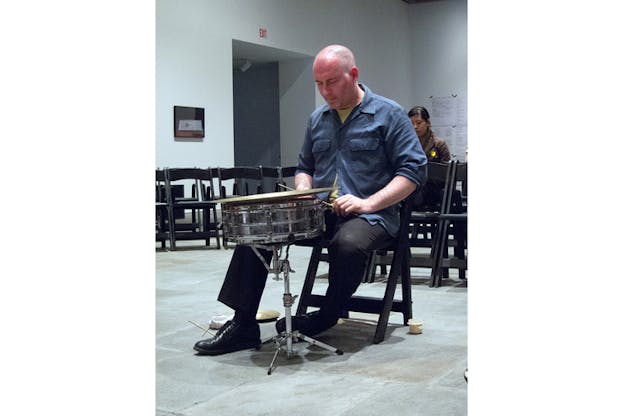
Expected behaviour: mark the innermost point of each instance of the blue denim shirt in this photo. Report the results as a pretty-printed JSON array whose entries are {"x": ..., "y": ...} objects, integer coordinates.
[{"x": 374, "y": 144}]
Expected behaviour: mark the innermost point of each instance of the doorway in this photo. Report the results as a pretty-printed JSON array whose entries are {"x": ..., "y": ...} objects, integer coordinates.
[{"x": 273, "y": 96}]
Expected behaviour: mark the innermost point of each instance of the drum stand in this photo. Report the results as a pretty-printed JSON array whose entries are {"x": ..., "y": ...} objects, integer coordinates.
[{"x": 283, "y": 266}]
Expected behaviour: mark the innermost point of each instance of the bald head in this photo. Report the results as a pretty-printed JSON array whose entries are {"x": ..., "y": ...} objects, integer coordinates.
[
  {"x": 336, "y": 55},
  {"x": 336, "y": 77}
]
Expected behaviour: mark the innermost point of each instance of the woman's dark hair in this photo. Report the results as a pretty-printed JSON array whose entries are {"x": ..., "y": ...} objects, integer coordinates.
[{"x": 420, "y": 112}]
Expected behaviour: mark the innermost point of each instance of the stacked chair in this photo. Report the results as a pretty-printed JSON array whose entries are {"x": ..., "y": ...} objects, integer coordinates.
[
  {"x": 425, "y": 222},
  {"x": 431, "y": 227},
  {"x": 203, "y": 223},
  {"x": 424, "y": 225},
  {"x": 242, "y": 180},
  {"x": 454, "y": 223},
  {"x": 441, "y": 229},
  {"x": 162, "y": 216}
]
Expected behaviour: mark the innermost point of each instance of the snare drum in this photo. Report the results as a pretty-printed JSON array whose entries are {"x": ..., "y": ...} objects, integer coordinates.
[{"x": 278, "y": 222}]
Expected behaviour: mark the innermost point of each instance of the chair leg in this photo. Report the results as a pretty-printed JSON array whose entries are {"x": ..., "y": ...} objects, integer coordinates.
[
  {"x": 204, "y": 224},
  {"x": 172, "y": 236},
  {"x": 369, "y": 273},
  {"x": 306, "y": 291},
  {"x": 442, "y": 243},
  {"x": 459, "y": 249},
  {"x": 388, "y": 298},
  {"x": 214, "y": 211},
  {"x": 406, "y": 286},
  {"x": 384, "y": 316},
  {"x": 437, "y": 247}
]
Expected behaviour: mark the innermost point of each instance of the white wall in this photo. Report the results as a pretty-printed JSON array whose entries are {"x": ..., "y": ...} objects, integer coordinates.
[
  {"x": 194, "y": 60},
  {"x": 296, "y": 103},
  {"x": 438, "y": 39}
]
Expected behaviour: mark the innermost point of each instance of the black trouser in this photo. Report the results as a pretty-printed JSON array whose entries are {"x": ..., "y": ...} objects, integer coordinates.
[{"x": 352, "y": 241}]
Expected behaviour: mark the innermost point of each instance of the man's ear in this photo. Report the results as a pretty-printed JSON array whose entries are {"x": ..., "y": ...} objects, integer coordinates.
[{"x": 355, "y": 72}]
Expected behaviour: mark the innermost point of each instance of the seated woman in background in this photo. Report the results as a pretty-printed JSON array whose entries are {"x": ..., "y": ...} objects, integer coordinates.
[{"x": 436, "y": 149}]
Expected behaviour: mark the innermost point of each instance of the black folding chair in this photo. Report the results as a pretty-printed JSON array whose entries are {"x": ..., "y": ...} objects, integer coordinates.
[
  {"x": 162, "y": 216},
  {"x": 424, "y": 224},
  {"x": 455, "y": 225},
  {"x": 382, "y": 306},
  {"x": 238, "y": 179},
  {"x": 203, "y": 219}
]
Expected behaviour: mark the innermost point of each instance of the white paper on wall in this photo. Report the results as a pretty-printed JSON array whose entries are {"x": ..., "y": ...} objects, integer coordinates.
[
  {"x": 443, "y": 111},
  {"x": 449, "y": 121}
]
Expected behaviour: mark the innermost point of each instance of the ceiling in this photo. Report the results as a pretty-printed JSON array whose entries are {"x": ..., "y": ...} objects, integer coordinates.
[{"x": 419, "y": 1}]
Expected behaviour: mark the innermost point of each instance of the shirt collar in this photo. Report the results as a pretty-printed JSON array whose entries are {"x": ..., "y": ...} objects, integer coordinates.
[{"x": 366, "y": 106}]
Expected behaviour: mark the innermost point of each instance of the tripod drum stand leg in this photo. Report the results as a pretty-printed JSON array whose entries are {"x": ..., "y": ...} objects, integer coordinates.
[{"x": 282, "y": 266}]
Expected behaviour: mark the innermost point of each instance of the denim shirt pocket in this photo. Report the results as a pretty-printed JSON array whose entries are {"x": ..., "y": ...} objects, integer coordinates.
[
  {"x": 360, "y": 144},
  {"x": 323, "y": 160},
  {"x": 366, "y": 155},
  {"x": 320, "y": 146}
]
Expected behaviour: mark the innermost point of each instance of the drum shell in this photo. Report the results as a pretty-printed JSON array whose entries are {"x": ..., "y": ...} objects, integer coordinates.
[{"x": 277, "y": 222}]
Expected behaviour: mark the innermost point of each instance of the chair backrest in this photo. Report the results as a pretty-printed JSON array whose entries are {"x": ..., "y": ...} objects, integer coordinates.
[
  {"x": 461, "y": 178},
  {"x": 435, "y": 195},
  {"x": 460, "y": 188},
  {"x": 198, "y": 178},
  {"x": 448, "y": 187},
  {"x": 241, "y": 177},
  {"x": 278, "y": 178},
  {"x": 271, "y": 178},
  {"x": 404, "y": 223},
  {"x": 288, "y": 175},
  {"x": 160, "y": 186},
  {"x": 437, "y": 172}
]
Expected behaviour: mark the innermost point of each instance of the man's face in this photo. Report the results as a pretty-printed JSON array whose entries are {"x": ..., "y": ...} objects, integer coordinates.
[{"x": 335, "y": 85}]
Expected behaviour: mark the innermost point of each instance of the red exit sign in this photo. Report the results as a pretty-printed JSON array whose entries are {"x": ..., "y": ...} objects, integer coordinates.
[{"x": 262, "y": 32}]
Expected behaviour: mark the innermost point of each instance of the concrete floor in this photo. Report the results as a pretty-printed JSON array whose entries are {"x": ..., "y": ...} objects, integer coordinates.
[{"x": 404, "y": 375}]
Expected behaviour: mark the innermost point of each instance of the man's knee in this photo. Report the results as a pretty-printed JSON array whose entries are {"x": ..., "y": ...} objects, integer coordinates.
[{"x": 348, "y": 246}]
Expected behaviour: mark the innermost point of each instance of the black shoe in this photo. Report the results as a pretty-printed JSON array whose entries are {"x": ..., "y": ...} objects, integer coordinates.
[
  {"x": 232, "y": 336},
  {"x": 310, "y": 324}
]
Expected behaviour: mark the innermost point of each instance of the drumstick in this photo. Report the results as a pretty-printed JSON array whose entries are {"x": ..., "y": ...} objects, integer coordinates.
[
  {"x": 200, "y": 327},
  {"x": 291, "y": 189}
]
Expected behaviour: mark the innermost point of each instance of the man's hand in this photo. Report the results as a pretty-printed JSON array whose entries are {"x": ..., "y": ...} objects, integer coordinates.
[{"x": 348, "y": 204}]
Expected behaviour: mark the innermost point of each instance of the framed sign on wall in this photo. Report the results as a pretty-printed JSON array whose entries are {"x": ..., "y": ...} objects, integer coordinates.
[{"x": 188, "y": 121}]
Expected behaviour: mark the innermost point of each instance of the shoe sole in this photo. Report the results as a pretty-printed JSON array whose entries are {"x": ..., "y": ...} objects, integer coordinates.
[{"x": 228, "y": 350}]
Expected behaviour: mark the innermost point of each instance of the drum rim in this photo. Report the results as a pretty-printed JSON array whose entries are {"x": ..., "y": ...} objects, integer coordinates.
[{"x": 263, "y": 205}]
